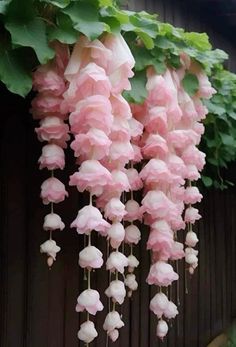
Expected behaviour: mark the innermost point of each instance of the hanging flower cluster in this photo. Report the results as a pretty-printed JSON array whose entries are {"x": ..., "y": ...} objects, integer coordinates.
[
  {"x": 97, "y": 73},
  {"x": 171, "y": 120},
  {"x": 47, "y": 106}
]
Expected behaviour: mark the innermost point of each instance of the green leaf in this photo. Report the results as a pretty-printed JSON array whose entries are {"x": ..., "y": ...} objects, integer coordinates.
[
  {"x": 199, "y": 40},
  {"x": 147, "y": 40},
  {"x": 85, "y": 19},
  {"x": 4, "y": 5},
  {"x": 138, "y": 92},
  {"x": 227, "y": 140},
  {"x": 174, "y": 61},
  {"x": 64, "y": 32},
  {"x": 14, "y": 74},
  {"x": 207, "y": 181},
  {"x": 143, "y": 57},
  {"x": 214, "y": 108},
  {"x": 58, "y": 3},
  {"x": 190, "y": 84},
  {"x": 145, "y": 24},
  {"x": 31, "y": 34},
  {"x": 103, "y": 3}
]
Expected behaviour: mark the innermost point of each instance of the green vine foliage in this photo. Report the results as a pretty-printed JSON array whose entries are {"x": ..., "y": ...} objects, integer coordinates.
[{"x": 28, "y": 27}]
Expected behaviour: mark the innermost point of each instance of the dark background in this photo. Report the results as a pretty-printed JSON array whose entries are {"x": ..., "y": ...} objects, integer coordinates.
[{"x": 37, "y": 305}]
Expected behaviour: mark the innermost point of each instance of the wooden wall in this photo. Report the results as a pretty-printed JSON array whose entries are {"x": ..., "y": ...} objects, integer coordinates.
[{"x": 37, "y": 305}]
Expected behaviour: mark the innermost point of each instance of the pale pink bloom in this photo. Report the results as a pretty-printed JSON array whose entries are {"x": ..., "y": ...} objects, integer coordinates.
[
  {"x": 156, "y": 120},
  {"x": 89, "y": 300},
  {"x": 155, "y": 145},
  {"x": 176, "y": 165},
  {"x": 114, "y": 335},
  {"x": 191, "y": 256},
  {"x": 205, "y": 90},
  {"x": 93, "y": 145},
  {"x": 91, "y": 258},
  {"x": 46, "y": 79},
  {"x": 171, "y": 310},
  {"x": 159, "y": 304},
  {"x": 92, "y": 112},
  {"x": 115, "y": 210},
  {"x": 119, "y": 182},
  {"x": 46, "y": 104},
  {"x": 130, "y": 282},
  {"x": 134, "y": 179},
  {"x": 162, "y": 274},
  {"x": 187, "y": 105},
  {"x": 91, "y": 80},
  {"x": 53, "y": 129},
  {"x": 181, "y": 139},
  {"x": 121, "y": 64},
  {"x": 106, "y": 196},
  {"x": 192, "y": 156},
  {"x": 87, "y": 332},
  {"x": 90, "y": 218},
  {"x": 201, "y": 109},
  {"x": 113, "y": 321},
  {"x": 117, "y": 261},
  {"x": 157, "y": 204},
  {"x": 52, "y": 221},
  {"x": 53, "y": 190},
  {"x": 121, "y": 151},
  {"x": 120, "y": 130},
  {"x": 174, "y": 111},
  {"x": 120, "y": 107},
  {"x": 137, "y": 155},
  {"x": 177, "y": 251},
  {"x": 133, "y": 262},
  {"x": 132, "y": 234},
  {"x": 62, "y": 56},
  {"x": 162, "y": 329},
  {"x": 191, "y": 215},
  {"x": 116, "y": 234},
  {"x": 116, "y": 291},
  {"x": 199, "y": 128},
  {"x": 92, "y": 176},
  {"x": 50, "y": 248},
  {"x": 136, "y": 128},
  {"x": 192, "y": 195},
  {"x": 52, "y": 157},
  {"x": 161, "y": 241},
  {"x": 156, "y": 171},
  {"x": 134, "y": 212},
  {"x": 158, "y": 91},
  {"x": 192, "y": 173},
  {"x": 191, "y": 239}
]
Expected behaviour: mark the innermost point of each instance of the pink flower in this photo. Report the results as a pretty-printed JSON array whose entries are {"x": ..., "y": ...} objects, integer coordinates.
[
  {"x": 205, "y": 90},
  {"x": 136, "y": 128},
  {"x": 156, "y": 171},
  {"x": 62, "y": 55},
  {"x": 121, "y": 64},
  {"x": 192, "y": 156},
  {"x": 50, "y": 248},
  {"x": 162, "y": 274},
  {"x": 176, "y": 165},
  {"x": 181, "y": 139},
  {"x": 92, "y": 112},
  {"x": 133, "y": 262},
  {"x": 120, "y": 130},
  {"x": 114, "y": 335},
  {"x": 155, "y": 145},
  {"x": 121, "y": 151},
  {"x": 192, "y": 173},
  {"x": 91, "y": 80},
  {"x": 191, "y": 215},
  {"x": 177, "y": 251},
  {"x": 52, "y": 157},
  {"x": 90, "y": 218},
  {"x": 134, "y": 179},
  {"x": 162, "y": 329},
  {"x": 87, "y": 332},
  {"x": 158, "y": 91},
  {"x": 171, "y": 310},
  {"x": 156, "y": 120},
  {"x": 53, "y": 190},
  {"x": 157, "y": 204},
  {"x": 191, "y": 239},
  {"x": 192, "y": 195},
  {"x": 91, "y": 258},
  {"x": 116, "y": 234},
  {"x": 161, "y": 241},
  {"x": 46, "y": 104},
  {"x": 89, "y": 300},
  {"x": 53, "y": 129},
  {"x": 116, "y": 291},
  {"x": 92, "y": 176},
  {"x": 115, "y": 210},
  {"x": 117, "y": 262},
  {"x": 159, "y": 304},
  {"x": 120, "y": 107},
  {"x": 134, "y": 212},
  {"x": 46, "y": 79},
  {"x": 132, "y": 234},
  {"x": 119, "y": 182},
  {"x": 130, "y": 282},
  {"x": 112, "y": 321},
  {"x": 93, "y": 145},
  {"x": 52, "y": 221},
  {"x": 137, "y": 155}
]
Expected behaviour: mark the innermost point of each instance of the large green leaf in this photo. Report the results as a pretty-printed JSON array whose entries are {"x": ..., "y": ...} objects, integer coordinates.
[
  {"x": 84, "y": 16},
  {"x": 31, "y": 34},
  {"x": 58, "y": 3},
  {"x": 190, "y": 83},
  {"x": 64, "y": 32},
  {"x": 138, "y": 92},
  {"x": 13, "y": 73},
  {"x": 4, "y": 5}
]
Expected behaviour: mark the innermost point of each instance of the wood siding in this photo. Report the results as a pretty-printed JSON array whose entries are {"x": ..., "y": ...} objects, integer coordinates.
[{"x": 38, "y": 305}]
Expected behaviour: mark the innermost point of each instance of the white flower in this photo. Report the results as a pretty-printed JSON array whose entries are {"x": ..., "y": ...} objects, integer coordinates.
[
  {"x": 50, "y": 248},
  {"x": 87, "y": 332},
  {"x": 52, "y": 221}
]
